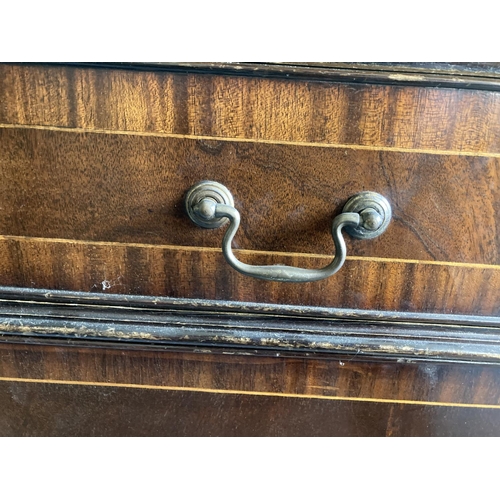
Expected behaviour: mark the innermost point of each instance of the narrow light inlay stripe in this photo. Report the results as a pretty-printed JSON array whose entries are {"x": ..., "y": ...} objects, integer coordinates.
[
  {"x": 257, "y": 141},
  {"x": 247, "y": 393},
  {"x": 6, "y": 237}
]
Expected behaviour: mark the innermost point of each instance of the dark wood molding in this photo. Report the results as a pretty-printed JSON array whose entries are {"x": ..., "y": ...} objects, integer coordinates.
[
  {"x": 473, "y": 76},
  {"x": 35, "y": 315}
]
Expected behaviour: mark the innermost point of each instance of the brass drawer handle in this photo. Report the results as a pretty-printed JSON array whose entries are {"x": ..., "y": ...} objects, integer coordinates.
[{"x": 366, "y": 215}]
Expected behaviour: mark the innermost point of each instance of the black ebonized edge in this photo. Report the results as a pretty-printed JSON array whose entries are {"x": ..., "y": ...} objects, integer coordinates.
[
  {"x": 35, "y": 315},
  {"x": 464, "y": 77}
]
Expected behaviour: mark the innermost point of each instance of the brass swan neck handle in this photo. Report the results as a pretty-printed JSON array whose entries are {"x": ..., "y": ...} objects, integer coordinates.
[{"x": 365, "y": 216}]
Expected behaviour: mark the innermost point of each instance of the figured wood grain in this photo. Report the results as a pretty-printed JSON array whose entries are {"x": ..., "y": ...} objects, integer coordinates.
[
  {"x": 252, "y": 108},
  {"x": 192, "y": 273},
  {"x": 125, "y": 192},
  {"x": 279, "y": 373},
  {"x": 115, "y": 392},
  {"x": 131, "y": 189}
]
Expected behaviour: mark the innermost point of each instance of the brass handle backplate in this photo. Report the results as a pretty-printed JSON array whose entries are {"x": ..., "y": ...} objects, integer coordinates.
[{"x": 366, "y": 215}]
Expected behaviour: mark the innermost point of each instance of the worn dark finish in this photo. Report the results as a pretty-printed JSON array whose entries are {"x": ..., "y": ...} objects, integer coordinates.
[
  {"x": 470, "y": 69},
  {"x": 56, "y": 315},
  {"x": 33, "y": 295},
  {"x": 479, "y": 76}
]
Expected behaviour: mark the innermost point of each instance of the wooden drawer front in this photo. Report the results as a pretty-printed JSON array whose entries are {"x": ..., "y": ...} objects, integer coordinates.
[
  {"x": 49, "y": 390},
  {"x": 96, "y": 163}
]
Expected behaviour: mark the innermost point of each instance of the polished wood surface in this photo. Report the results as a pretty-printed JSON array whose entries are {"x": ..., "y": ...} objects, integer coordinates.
[
  {"x": 274, "y": 373},
  {"x": 141, "y": 269},
  {"x": 131, "y": 189},
  {"x": 65, "y": 410},
  {"x": 95, "y": 164},
  {"x": 57, "y": 390},
  {"x": 251, "y": 108},
  {"x": 105, "y": 212},
  {"x": 108, "y": 187}
]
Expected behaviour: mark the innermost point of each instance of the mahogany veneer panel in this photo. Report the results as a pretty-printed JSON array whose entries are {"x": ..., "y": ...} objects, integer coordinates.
[
  {"x": 61, "y": 410},
  {"x": 266, "y": 374},
  {"x": 95, "y": 164},
  {"x": 131, "y": 188},
  {"x": 252, "y": 108},
  {"x": 87, "y": 391},
  {"x": 203, "y": 273}
]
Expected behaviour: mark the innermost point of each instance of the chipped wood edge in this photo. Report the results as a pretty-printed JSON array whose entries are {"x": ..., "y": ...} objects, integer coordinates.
[
  {"x": 377, "y": 75},
  {"x": 37, "y": 315}
]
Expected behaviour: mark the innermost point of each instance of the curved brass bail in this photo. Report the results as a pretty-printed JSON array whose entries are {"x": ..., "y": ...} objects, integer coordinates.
[{"x": 366, "y": 215}]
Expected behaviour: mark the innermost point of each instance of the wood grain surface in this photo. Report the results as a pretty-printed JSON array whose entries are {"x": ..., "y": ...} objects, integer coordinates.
[
  {"x": 131, "y": 189},
  {"x": 57, "y": 390},
  {"x": 103, "y": 210},
  {"x": 61, "y": 410},
  {"x": 278, "y": 373},
  {"x": 203, "y": 273},
  {"x": 251, "y": 108},
  {"x": 95, "y": 163}
]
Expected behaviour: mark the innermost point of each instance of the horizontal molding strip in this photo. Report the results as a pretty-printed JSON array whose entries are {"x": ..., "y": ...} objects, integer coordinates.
[
  {"x": 161, "y": 321},
  {"x": 375, "y": 74},
  {"x": 441, "y": 152}
]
